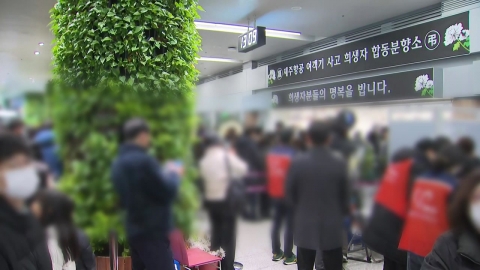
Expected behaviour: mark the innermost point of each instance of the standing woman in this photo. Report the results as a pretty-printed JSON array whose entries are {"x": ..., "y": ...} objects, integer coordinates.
[
  {"x": 459, "y": 249},
  {"x": 69, "y": 247},
  {"x": 218, "y": 167}
]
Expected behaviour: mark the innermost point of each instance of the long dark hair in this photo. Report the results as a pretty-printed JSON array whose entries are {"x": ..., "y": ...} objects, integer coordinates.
[
  {"x": 57, "y": 210},
  {"x": 458, "y": 212}
]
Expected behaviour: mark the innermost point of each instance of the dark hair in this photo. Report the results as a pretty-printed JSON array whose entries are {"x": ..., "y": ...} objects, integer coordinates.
[
  {"x": 425, "y": 144},
  {"x": 441, "y": 142},
  {"x": 447, "y": 157},
  {"x": 467, "y": 145},
  {"x": 57, "y": 210},
  {"x": 212, "y": 140},
  {"x": 279, "y": 125},
  {"x": 134, "y": 127},
  {"x": 319, "y": 132},
  {"x": 286, "y": 136},
  {"x": 11, "y": 145},
  {"x": 15, "y": 124},
  {"x": 458, "y": 211}
]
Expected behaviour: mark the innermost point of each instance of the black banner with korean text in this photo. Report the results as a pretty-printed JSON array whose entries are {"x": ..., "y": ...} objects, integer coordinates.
[
  {"x": 443, "y": 38},
  {"x": 398, "y": 86}
]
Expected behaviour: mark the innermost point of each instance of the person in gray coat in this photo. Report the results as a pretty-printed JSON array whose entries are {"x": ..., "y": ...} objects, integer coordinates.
[{"x": 317, "y": 191}]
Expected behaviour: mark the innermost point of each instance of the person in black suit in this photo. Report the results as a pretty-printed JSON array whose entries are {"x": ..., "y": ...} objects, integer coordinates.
[{"x": 317, "y": 191}]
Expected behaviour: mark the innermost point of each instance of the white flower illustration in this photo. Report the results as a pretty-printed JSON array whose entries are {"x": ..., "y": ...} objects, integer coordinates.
[
  {"x": 429, "y": 84},
  {"x": 453, "y": 33},
  {"x": 271, "y": 76},
  {"x": 275, "y": 99},
  {"x": 465, "y": 34},
  {"x": 421, "y": 82}
]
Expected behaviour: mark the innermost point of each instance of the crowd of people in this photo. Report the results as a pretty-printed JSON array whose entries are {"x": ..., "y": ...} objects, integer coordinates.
[
  {"x": 426, "y": 213},
  {"x": 307, "y": 180}
]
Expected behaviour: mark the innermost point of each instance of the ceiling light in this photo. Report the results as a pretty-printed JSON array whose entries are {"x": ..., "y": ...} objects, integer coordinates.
[
  {"x": 41, "y": 44},
  {"x": 223, "y": 60},
  {"x": 36, "y": 52},
  {"x": 240, "y": 29},
  {"x": 296, "y": 8},
  {"x": 232, "y": 49}
]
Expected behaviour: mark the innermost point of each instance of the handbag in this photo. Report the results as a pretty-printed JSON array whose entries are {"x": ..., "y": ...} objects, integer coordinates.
[{"x": 236, "y": 190}]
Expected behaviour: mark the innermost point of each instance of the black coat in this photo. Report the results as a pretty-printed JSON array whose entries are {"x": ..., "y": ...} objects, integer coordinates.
[
  {"x": 317, "y": 191},
  {"x": 86, "y": 260},
  {"x": 454, "y": 252},
  {"x": 22, "y": 242},
  {"x": 146, "y": 193}
]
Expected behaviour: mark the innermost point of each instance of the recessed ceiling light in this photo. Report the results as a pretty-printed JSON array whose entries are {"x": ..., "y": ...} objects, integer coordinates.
[
  {"x": 296, "y": 8},
  {"x": 41, "y": 44},
  {"x": 232, "y": 49},
  {"x": 215, "y": 59},
  {"x": 36, "y": 52}
]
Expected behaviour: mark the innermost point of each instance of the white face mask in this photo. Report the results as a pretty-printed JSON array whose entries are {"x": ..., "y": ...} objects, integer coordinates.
[
  {"x": 475, "y": 214},
  {"x": 21, "y": 183}
]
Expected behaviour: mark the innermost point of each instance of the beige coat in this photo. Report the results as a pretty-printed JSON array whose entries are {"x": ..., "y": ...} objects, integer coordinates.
[{"x": 213, "y": 169}]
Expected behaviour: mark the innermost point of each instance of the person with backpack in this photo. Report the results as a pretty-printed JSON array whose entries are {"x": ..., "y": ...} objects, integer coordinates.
[
  {"x": 278, "y": 163},
  {"x": 426, "y": 217}
]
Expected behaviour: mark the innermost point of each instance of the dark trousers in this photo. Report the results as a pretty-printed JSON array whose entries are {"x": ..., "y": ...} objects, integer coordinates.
[
  {"x": 282, "y": 215},
  {"x": 414, "y": 262},
  {"x": 332, "y": 259},
  {"x": 223, "y": 226},
  {"x": 389, "y": 264},
  {"x": 151, "y": 254}
]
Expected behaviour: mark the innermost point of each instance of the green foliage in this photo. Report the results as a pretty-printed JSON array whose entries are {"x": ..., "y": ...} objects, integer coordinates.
[
  {"x": 428, "y": 92},
  {"x": 36, "y": 111},
  {"x": 107, "y": 71},
  {"x": 126, "y": 42}
]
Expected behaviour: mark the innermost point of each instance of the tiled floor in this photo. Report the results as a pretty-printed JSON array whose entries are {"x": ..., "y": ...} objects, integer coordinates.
[{"x": 254, "y": 250}]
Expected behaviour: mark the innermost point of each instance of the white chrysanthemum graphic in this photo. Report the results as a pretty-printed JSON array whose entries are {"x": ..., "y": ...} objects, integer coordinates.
[
  {"x": 421, "y": 82},
  {"x": 271, "y": 76},
  {"x": 429, "y": 84},
  {"x": 275, "y": 99},
  {"x": 453, "y": 33},
  {"x": 465, "y": 34}
]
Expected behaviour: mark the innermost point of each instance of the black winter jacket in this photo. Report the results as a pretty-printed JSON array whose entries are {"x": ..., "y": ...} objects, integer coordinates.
[
  {"x": 146, "y": 193},
  {"x": 86, "y": 260},
  {"x": 454, "y": 252},
  {"x": 22, "y": 242}
]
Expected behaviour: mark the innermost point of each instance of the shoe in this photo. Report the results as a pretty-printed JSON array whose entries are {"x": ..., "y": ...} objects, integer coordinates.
[
  {"x": 290, "y": 260},
  {"x": 277, "y": 257}
]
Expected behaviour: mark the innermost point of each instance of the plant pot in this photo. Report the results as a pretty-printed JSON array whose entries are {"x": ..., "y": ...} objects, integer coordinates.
[
  {"x": 209, "y": 267},
  {"x": 124, "y": 263}
]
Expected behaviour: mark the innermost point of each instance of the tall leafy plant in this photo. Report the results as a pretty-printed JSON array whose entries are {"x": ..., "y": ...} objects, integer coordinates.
[
  {"x": 36, "y": 112},
  {"x": 114, "y": 59}
]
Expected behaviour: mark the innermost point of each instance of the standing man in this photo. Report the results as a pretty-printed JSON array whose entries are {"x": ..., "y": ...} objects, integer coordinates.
[
  {"x": 278, "y": 163},
  {"x": 146, "y": 195},
  {"x": 317, "y": 189}
]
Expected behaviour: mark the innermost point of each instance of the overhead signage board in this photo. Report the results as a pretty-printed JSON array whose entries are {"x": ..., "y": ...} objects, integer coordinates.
[
  {"x": 416, "y": 84},
  {"x": 443, "y": 38},
  {"x": 253, "y": 39}
]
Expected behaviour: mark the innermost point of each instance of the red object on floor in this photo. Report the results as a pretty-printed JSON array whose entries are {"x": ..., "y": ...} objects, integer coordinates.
[{"x": 190, "y": 257}]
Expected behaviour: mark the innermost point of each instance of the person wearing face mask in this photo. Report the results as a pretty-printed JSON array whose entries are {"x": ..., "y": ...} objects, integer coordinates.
[
  {"x": 22, "y": 242},
  {"x": 459, "y": 249},
  {"x": 426, "y": 217}
]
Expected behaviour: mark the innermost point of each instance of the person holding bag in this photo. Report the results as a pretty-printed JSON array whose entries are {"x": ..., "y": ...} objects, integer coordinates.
[{"x": 222, "y": 171}]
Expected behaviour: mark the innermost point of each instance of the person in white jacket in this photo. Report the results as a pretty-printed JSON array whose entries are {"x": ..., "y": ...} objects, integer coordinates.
[{"x": 218, "y": 167}]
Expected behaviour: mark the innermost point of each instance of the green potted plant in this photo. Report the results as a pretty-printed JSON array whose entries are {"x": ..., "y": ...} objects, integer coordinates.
[{"x": 114, "y": 60}]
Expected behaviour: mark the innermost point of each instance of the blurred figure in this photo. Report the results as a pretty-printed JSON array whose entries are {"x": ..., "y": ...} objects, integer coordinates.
[
  {"x": 17, "y": 128},
  {"x": 146, "y": 194},
  {"x": 248, "y": 150},
  {"x": 426, "y": 218},
  {"x": 279, "y": 126},
  {"x": 218, "y": 167},
  {"x": 45, "y": 141},
  {"x": 69, "y": 247},
  {"x": 467, "y": 145},
  {"x": 459, "y": 248},
  {"x": 278, "y": 163},
  {"x": 22, "y": 241},
  {"x": 300, "y": 141},
  {"x": 317, "y": 191},
  {"x": 384, "y": 229}
]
